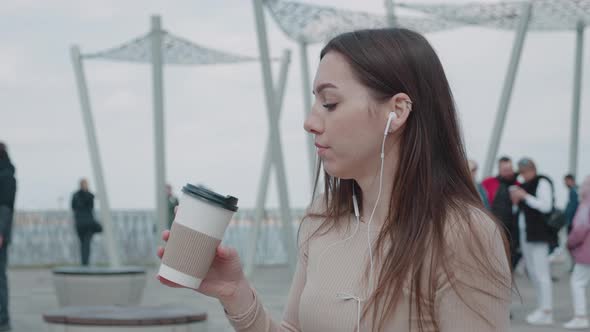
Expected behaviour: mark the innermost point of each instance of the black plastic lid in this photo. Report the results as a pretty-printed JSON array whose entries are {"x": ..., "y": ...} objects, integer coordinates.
[{"x": 200, "y": 192}]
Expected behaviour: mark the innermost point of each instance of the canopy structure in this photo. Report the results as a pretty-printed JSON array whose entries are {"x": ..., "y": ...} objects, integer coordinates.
[
  {"x": 522, "y": 16},
  {"x": 175, "y": 51},
  {"x": 309, "y": 24},
  {"x": 159, "y": 47},
  {"x": 547, "y": 15}
]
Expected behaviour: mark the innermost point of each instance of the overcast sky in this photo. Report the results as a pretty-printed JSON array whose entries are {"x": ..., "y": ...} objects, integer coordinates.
[{"x": 216, "y": 124}]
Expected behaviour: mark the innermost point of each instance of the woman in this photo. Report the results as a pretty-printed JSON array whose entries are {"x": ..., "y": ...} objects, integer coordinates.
[
  {"x": 387, "y": 133},
  {"x": 578, "y": 243}
]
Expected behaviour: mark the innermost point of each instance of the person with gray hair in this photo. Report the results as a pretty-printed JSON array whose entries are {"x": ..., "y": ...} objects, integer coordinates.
[{"x": 534, "y": 201}]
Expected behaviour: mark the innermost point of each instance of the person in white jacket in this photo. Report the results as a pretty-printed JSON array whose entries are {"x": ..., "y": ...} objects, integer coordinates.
[{"x": 534, "y": 200}]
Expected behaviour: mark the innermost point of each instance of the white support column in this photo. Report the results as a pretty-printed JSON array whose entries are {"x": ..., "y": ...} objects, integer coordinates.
[
  {"x": 307, "y": 103},
  {"x": 159, "y": 137},
  {"x": 250, "y": 262},
  {"x": 575, "y": 124},
  {"x": 101, "y": 191},
  {"x": 390, "y": 10},
  {"x": 277, "y": 152},
  {"x": 507, "y": 90}
]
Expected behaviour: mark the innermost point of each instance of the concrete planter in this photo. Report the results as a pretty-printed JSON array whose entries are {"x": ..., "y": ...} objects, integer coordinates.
[
  {"x": 125, "y": 319},
  {"x": 92, "y": 286}
]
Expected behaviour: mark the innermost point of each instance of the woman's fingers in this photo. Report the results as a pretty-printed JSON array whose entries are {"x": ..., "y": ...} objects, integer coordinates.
[
  {"x": 221, "y": 251},
  {"x": 160, "y": 252},
  {"x": 227, "y": 253},
  {"x": 169, "y": 283},
  {"x": 165, "y": 235}
]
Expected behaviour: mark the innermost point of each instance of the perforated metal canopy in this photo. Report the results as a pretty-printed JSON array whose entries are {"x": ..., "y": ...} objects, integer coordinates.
[
  {"x": 312, "y": 24},
  {"x": 176, "y": 51},
  {"x": 547, "y": 15}
]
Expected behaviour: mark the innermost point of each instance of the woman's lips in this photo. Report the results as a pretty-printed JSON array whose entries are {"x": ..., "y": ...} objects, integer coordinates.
[{"x": 321, "y": 149}]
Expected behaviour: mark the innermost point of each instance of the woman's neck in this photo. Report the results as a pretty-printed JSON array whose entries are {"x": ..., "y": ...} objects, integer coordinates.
[{"x": 369, "y": 185}]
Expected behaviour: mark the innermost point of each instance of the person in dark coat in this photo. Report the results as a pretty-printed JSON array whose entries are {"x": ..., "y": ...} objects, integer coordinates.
[
  {"x": 501, "y": 205},
  {"x": 572, "y": 202},
  {"x": 86, "y": 225},
  {"x": 7, "y": 196}
]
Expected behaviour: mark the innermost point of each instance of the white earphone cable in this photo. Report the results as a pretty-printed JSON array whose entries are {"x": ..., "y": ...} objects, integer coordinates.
[
  {"x": 347, "y": 296},
  {"x": 373, "y": 214}
]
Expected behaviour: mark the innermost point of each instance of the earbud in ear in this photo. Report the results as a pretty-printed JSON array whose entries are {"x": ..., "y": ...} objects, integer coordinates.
[{"x": 392, "y": 116}]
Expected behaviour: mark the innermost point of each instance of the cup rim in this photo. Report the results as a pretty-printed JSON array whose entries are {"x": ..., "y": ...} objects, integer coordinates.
[{"x": 200, "y": 192}]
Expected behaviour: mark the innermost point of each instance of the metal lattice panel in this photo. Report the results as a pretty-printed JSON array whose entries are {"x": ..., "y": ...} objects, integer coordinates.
[
  {"x": 312, "y": 24},
  {"x": 546, "y": 14},
  {"x": 175, "y": 50}
]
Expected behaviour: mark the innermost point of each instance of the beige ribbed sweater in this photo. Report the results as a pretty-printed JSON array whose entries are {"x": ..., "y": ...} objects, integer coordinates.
[{"x": 326, "y": 270}]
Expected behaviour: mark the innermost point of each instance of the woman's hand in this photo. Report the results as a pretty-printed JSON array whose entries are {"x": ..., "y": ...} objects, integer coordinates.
[
  {"x": 225, "y": 279},
  {"x": 224, "y": 276}
]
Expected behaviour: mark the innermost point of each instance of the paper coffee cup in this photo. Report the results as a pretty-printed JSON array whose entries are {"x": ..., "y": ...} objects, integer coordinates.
[{"x": 197, "y": 230}]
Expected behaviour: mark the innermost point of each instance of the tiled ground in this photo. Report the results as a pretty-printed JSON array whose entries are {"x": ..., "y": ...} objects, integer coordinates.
[{"x": 32, "y": 294}]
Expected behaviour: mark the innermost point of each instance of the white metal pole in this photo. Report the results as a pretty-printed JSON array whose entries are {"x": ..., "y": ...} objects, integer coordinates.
[
  {"x": 575, "y": 124},
  {"x": 507, "y": 90},
  {"x": 390, "y": 10},
  {"x": 307, "y": 103},
  {"x": 277, "y": 151},
  {"x": 159, "y": 137},
  {"x": 266, "y": 168},
  {"x": 101, "y": 191}
]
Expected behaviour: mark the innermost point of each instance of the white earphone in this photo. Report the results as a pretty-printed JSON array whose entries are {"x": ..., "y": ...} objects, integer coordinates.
[
  {"x": 392, "y": 116},
  {"x": 345, "y": 296}
]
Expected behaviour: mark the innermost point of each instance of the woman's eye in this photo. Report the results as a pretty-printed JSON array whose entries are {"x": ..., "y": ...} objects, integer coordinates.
[{"x": 330, "y": 107}]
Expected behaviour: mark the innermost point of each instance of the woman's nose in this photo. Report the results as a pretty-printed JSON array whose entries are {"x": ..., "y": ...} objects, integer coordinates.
[{"x": 313, "y": 123}]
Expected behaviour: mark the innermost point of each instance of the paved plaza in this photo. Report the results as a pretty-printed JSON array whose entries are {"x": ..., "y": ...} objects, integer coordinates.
[{"x": 32, "y": 294}]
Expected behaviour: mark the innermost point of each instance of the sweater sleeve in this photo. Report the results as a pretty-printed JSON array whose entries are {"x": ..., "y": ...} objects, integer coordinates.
[
  {"x": 257, "y": 319},
  {"x": 474, "y": 301}
]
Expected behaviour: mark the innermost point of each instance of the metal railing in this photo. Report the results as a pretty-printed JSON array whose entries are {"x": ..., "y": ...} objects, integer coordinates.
[{"x": 42, "y": 238}]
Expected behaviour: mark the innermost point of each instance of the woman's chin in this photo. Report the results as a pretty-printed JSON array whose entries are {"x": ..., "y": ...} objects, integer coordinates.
[{"x": 335, "y": 171}]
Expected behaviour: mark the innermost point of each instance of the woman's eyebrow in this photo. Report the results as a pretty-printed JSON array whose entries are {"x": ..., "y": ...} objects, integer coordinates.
[{"x": 322, "y": 87}]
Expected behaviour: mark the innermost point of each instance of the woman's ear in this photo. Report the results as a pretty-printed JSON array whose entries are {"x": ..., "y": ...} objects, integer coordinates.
[{"x": 401, "y": 104}]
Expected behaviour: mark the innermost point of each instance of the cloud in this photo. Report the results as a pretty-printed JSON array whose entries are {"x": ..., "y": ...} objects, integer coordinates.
[
  {"x": 216, "y": 115},
  {"x": 12, "y": 59}
]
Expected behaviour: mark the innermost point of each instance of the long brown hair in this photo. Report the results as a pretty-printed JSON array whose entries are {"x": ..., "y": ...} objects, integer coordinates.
[{"x": 432, "y": 181}]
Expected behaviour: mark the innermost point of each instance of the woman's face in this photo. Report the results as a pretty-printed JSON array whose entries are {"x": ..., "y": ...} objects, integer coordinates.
[{"x": 345, "y": 119}]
